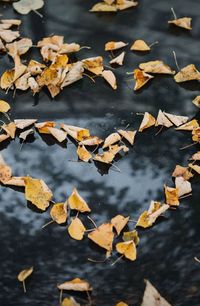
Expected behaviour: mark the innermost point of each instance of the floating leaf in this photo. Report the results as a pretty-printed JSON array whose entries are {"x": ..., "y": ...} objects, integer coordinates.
[
  {"x": 76, "y": 202},
  {"x": 103, "y": 7},
  {"x": 141, "y": 78},
  {"x": 26, "y": 6},
  {"x": 163, "y": 120},
  {"x": 119, "y": 222},
  {"x": 140, "y": 45},
  {"x": 189, "y": 126},
  {"x": 24, "y": 123},
  {"x": 128, "y": 249},
  {"x": 22, "y": 276},
  {"x": 196, "y": 168},
  {"x": 111, "y": 139},
  {"x": 58, "y": 213},
  {"x": 156, "y": 67},
  {"x": 76, "y": 284},
  {"x": 176, "y": 120},
  {"x": 69, "y": 302},
  {"x": 76, "y": 229},
  {"x": 118, "y": 60},
  {"x": 4, "y": 106},
  {"x": 184, "y": 22},
  {"x": 114, "y": 45},
  {"x": 5, "y": 171},
  {"x": 132, "y": 235},
  {"x": 83, "y": 153},
  {"x": 37, "y": 192},
  {"x": 182, "y": 171},
  {"x": 188, "y": 73},
  {"x": 152, "y": 297},
  {"x": 25, "y": 134},
  {"x": 58, "y": 134},
  {"x": 171, "y": 195},
  {"x": 183, "y": 186},
  {"x": 128, "y": 135},
  {"x": 103, "y": 236},
  {"x": 94, "y": 64},
  {"x": 196, "y": 101},
  {"x": 147, "y": 122},
  {"x": 109, "y": 76}
]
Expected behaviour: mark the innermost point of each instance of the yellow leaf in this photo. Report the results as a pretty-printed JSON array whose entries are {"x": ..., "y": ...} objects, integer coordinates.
[
  {"x": 119, "y": 222},
  {"x": 69, "y": 302},
  {"x": 103, "y": 236},
  {"x": 132, "y": 235},
  {"x": 10, "y": 129},
  {"x": 110, "y": 78},
  {"x": 76, "y": 202},
  {"x": 4, "y": 106},
  {"x": 5, "y": 171},
  {"x": 59, "y": 213},
  {"x": 141, "y": 78},
  {"x": 24, "y": 274},
  {"x": 196, "y": 168},
  {"x": 147, "y": 122},
  {"x": 171, "y": 195},
  {"x": 128, "y": 135},
  {"x": 37, "y": 192},
  {"x": 91, "y": 141},
  {"x": 76, "y": 229},
  {"x": 184, "y": 22},
  {"x": 140, "y": 45},
  {"x": 83, "y": 153},
  {"x": 156, "y": 67},
  {"x": 103, "y": 7},
  {"x": 114, "y": 45},
  {"x": 76, "y": 284},
  {"x": 189, "y": 126},
  {"x": 23, "y": 123},
  {"x": 176, "y": 120},
  {"x": 128, "y": 249},
  {"x": 112, "y": 138},
  {"x": 43, "y": 127},
  {"x": 94, "y": 64},
  {"x": 196, "y": 135},
  {"x": 196, "y": 101},
  {"x": 188, "y": 73},
  {"x": 163, "y": 120},
  {"x": 182, "y": 171}
]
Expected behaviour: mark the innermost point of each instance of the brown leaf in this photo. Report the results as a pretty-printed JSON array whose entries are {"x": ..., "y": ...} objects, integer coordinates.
[{"x": 188, "y": 73}]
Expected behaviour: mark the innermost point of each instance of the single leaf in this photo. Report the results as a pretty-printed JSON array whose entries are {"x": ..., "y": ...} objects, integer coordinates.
[
  {"x": 110, "y": 78},
  {"x": 69, "y": 302},
  {"x": 103, "y": 236},
  {"x": 171, "y": 195},
  {"x": 183, "y": 186},
  {"x": 132, "y": 235},
  {"x": 58, "y": 213},
  {"x": 156, "y": 67},
  {"x": 196, "y": 101},
  {"x": 4, "y": 106},
  {"x": 76, "y": 229},
  {"x": 111, "y": 139},
  {"x": 26, "y": 6},
  {"x": 83, "y": 153},
  {"x": 128, "y": 135},
  {"x": 128, "y": 249},
  {"x": 147, "y": 122},
  {"x": 141, "y": 78},
  {"x": 188, "y": 73},
  {"x": 184, "y": 22},
  {"x": 189, "y": 126},
  {"x": 114, "y": 45},
  {"x": 119, "y": 222},
  {"x": 163, "y": 120},
  {"x": 152, "y": 297},
  {"x": 76, "y": 202},
  {"x": 176, "y": 120},
  {"x": 118, "y": 60},
  {"x": 140, "y": 45},
  {"x": 76, "y": 284}
]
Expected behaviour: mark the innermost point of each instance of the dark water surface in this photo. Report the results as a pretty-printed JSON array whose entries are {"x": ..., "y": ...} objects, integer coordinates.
[{"x": 166, "y": 252}]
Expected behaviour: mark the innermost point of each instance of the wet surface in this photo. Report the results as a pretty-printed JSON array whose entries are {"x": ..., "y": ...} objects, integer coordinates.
[{"x": 166, "y": 252}]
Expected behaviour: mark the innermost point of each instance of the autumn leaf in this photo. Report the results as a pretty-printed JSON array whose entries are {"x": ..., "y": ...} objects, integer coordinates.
[
  {"x": 111, "y": 139},
  {"x": 5, "y": 171},
  {"x": 26, "y": 6},
  {"x": 147, "y": 122},
  {"x": 156, "y": 67},
  {"x": 196, "y": 168},
  {"x": 76, "y": 284},
  {"x": 114, "y": 45},
  {"x": 183, "y": 186},
  {"x": 152, "y": 297},
  {"x": 58, "y": 213},
  {"x": 140, "y": 45},
  {"x": 69, "y": 302},
  {"x": 128, "y": 249},
  {"x": 196, "y": 101},
  {"x": 175, "y": 119},
  {"x": 132, "y": 235},
  {"x": 141, "y": 78},
  {"x": 119, "y": 222},
  {"x": 184, "y": 22},
  {"x": 110, "y": 78},
  {"x": 23, "y": 275},
  {"x": 24, "y": 123},
  {"x": 83, "y": 153},
  {"x": 76, "y": 202},
  {"x": 188, "y": 73},
  {"x": 103, "y": 236},
  {"x": 4, "y": 106},
  {"x": 76, "y": 229},
  {"x": 94, "y": 64},
  {"x": 128, "y": 135},
  {"x": 37, "y": 192},
  {"x": 118, "y": 60},
  {"x": 163, "y": 120},
  {"x": 189, "y": 126},
  {"x": 172, "y": 197}
]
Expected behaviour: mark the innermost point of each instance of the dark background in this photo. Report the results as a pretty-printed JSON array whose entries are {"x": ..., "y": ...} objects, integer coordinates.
[{"x": 166, "y": 252}]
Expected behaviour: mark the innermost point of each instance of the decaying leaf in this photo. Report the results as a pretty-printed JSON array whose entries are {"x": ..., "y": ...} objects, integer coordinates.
[
  {"x": 109, "y": 76},
  {"x": 111, "y": 139},
  {"x": 196, "y": 135},
  {"x": 58, "y": 213},
  {"x": 147, "y": 121},
  {"x": 119, "y": 222},
  {"x": 175, "y": 119},
  {"x": 91, "y": 141},
  {"x": 189, "y": 126},
  {"x": 182, "y": 171},
  {"x": 37, "y": 192},
  {"x": 106, "y": 157},
  {"x": 4, "y": 106},
  {"x": 156, "y": 67},
  {"x": 69, "y": 302},
  {"x": 183, "y": 186},
  {"x": 141, "y": 78},
  {"x": 140, "y": 45},
  {"x": 76, "y": 229},
  {"x": 128, "y": 249},
  {"x": 148, "y": 218},
  {"x": 24, "y": 123},
  {"x": 128, "y": 135},
  {"x": 163, "y": 120},
  {"x": 17, "y": 181},
  {"x": 10, "y": 129},
  {"x": 76, "y": 284},
  {"x": 76, "y": 132},
  {"x": 75, "y": 201},
  {"x": 83, "y": 153},
  {"x": 103, "y": 236},
  {"x": 172, "y": 197},
  {"x": 19, "y": 47},
  {"x": 58, "y": 134},
  {"x": 5, "y": 171},
  {"x": 43, "y": 127},
  {"x": 26, "y": 6},
  {"x": 152, "y": 297},
  {"x": 22, "y": 276},
  {"x": 94, "y": 64},
  {"x": 184, "y": 22},
  {"x": 118, "y": 60},
  {"x": 196, "y": 101},
  {"x": 196, "y": 156},
  {"x": 188, "y": 73},
  {"x": 113, "y": 5},
  {"x": 114, "y": 45},
  {"x": 132, "y": 235},
  {"x": 196, "y": 168}
]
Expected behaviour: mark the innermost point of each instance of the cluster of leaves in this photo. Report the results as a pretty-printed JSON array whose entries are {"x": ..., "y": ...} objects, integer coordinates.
[
  {"x": 60, "y": 69},
  {"x": 151, "y": 296},
  {"x": 38, "y": 193}
]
